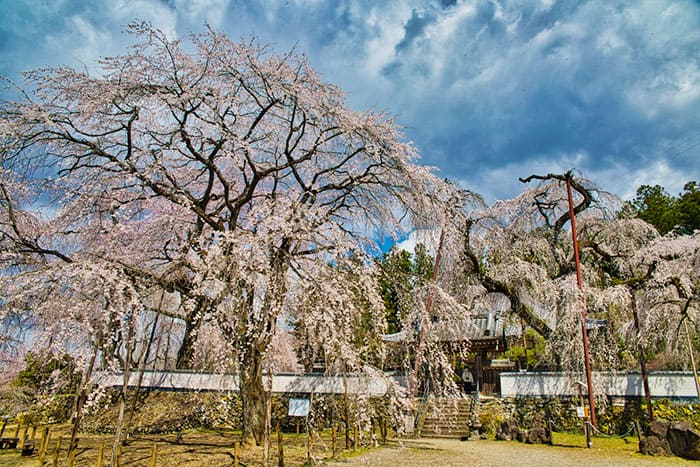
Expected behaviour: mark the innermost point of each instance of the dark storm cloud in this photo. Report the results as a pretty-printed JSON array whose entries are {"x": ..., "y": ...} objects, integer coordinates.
[
  {"x": 608, "y": 87},
  {"x": 487, "y": 90}
]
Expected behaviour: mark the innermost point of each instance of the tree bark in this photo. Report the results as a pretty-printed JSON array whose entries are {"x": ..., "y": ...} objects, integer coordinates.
[
  {"x": 141, "y": 371},
  {"x": 493, "y": 285},
  {"x": 82, "y": 397},
  {"x": 186, "y": 351},
  {"x": 268, "y": 415},
  {"x": 642, "y": 360},
  {"x": 123, "y": 394},
  {"x": 255, "y": 346},
  {"x": 252, "y": 395}
]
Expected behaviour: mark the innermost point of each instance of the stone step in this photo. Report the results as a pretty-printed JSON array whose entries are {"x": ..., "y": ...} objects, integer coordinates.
[{"x": 448, "y": 418}]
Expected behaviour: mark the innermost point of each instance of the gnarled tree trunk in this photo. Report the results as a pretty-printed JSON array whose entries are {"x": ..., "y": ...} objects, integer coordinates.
[{"x": 253, "y": 395}]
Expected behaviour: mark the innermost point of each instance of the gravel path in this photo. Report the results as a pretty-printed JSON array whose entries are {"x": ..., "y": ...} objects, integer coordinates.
[{"x": 449, "y": 452}]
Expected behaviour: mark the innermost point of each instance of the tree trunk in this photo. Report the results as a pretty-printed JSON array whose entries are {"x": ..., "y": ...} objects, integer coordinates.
[
  {"x": 252, "y": 395},
  {"x": 81, "y": 398},
  {"x": 642, "y": 361},
  {"x": 346, "y": 406},
  {"x": 141, "y": 370},
  {"x": 268, "y": 416},
  {"x": 493, "y": 285},
  {"x": 123, "y": 394},
  {"x": 192, "y": 322}
]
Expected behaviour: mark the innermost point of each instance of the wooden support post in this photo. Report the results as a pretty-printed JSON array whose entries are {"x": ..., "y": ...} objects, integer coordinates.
[
  {"x": 638, "y": 429},
  {"x": 384, "y": 430},
  {"x": 357, "y": 437},
  {"x": 309, "y": 447},
  {"x": 4, "y": 424},
  {"x": 154, "y": 454},
  {"x": 33, "y": 435},
  {"x": 100, "y": 454},
  {"x": 22, "y": 434},
  {"x": 58, "y": 450},
  {"x": 72, "y": 447},
  {"x": 280, "y": 447},
  {"x": 335, "y": 440},
  {"x": 118, "y": 462},
  {"x": 71, "y": 457},
  {"x": 236, "y": 453},
  {"x": 44, "y": 445}
]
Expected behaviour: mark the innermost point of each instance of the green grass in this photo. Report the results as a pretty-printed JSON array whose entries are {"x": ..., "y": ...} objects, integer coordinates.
[
  {"x": 630, "y": 443},
  {"x": 613, "y": 447}
]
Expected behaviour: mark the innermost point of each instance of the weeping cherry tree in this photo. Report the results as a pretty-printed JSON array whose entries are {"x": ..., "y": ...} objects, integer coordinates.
[{"x": 227, "y": 176}]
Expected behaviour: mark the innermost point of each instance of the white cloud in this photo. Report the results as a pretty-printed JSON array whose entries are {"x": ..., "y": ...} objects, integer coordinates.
[
  {"x": 200, "y": 11},
  {"x": 502, "y": 182},
  {"x": 123, "y": 12},
  {"x": 428, "y": 237}
]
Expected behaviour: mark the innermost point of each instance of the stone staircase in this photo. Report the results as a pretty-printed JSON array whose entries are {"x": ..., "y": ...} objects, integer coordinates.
[{"x": 448, "y": 418}]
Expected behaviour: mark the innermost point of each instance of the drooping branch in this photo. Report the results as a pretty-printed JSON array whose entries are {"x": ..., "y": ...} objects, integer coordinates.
[
  {"x": 565, "y": 215},
  {"x": 494, "y": 285}
]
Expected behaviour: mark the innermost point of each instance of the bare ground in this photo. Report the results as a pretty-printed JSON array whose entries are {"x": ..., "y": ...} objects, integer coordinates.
[
  {"x": 450, "y": 452},
  {"x": 200, "y": 448}
]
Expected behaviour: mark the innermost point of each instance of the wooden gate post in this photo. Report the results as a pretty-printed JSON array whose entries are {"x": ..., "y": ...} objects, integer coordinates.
[
  {"x": 280, "y": 447},
  {"x": 58, "y": 450},
  {"x": 154, "y": 453},
  {"x": 44, "y": 445},
  {"x": 335, "y": 440},
  {"x": 309, "y": 445},
  {"x": 22, "y": 434},
  {"x": 4, "y": 424}
]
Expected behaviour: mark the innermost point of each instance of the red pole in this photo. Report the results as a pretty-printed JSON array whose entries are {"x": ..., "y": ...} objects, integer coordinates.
[
  {"x": 426, "y": 320},
  {"x": 579, "y": 280}
]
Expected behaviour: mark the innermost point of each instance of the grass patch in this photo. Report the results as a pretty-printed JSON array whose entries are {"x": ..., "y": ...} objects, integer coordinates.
[
  {"x": 629, "y": 443},
  {"x": 613, "y": 448},
  {"x": 199, "y": 447}
]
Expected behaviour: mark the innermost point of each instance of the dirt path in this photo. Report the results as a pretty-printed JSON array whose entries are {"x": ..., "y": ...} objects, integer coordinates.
[{"x": 448, "y": 452}]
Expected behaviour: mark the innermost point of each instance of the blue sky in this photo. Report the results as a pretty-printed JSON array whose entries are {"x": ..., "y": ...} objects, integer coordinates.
[{"x": 488, "y": 91}]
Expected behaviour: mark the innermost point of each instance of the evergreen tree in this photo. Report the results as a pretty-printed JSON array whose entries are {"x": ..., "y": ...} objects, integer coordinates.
[
  {"x": 665, "y": 212},
  {"x": 401, "y": 272}
]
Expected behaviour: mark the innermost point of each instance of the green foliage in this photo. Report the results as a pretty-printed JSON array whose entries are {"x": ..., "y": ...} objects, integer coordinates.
[
  {"x": 422, "y": 266},
  {"x": 527, "y": 353},
  {"x": 48, "y": 374},
  {"x": 48, "y": 409},
  {"x": 401, "y": 272},
  {"x": 665, "y": 212},
  {"x": 43, "y": 392},
  {"x": 669, "y": 411},
  {"x": 490, "y": 422},
  {"x": 618, "y": 420},
  {"x": 688, "y": 208}
]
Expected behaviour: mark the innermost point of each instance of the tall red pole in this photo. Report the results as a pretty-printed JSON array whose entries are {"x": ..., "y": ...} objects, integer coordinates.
[
  {"x": 579, "y": 280},
  {"x": 426, "y": 320}
]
